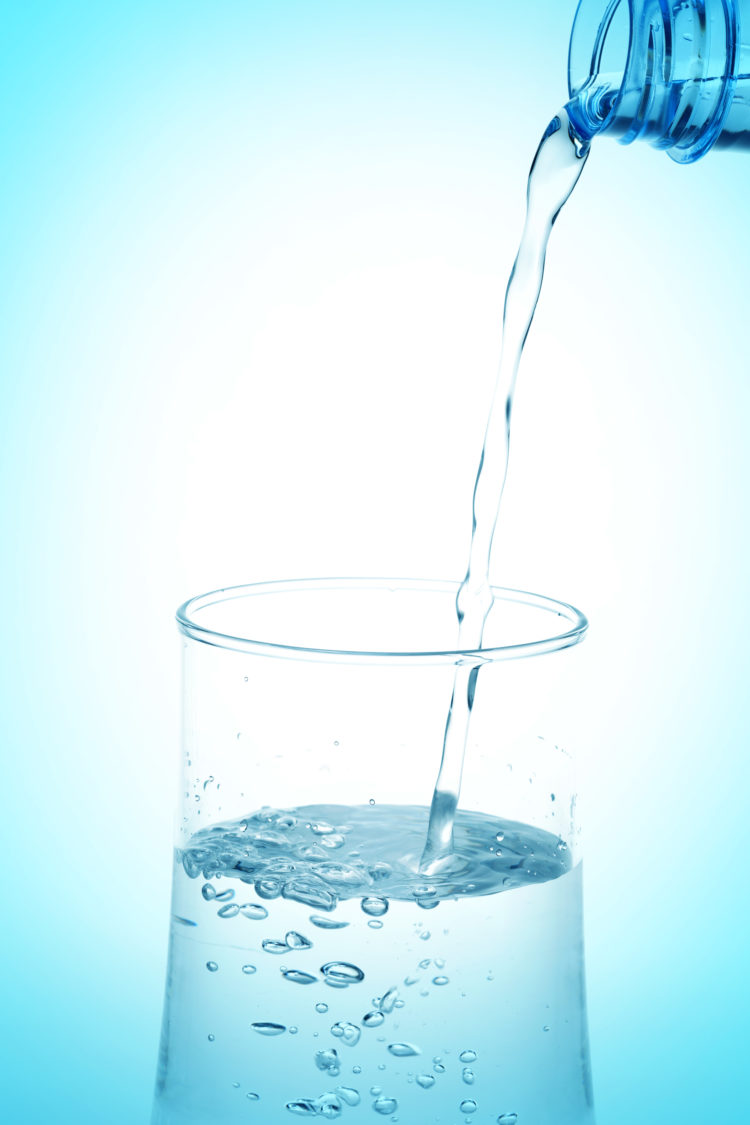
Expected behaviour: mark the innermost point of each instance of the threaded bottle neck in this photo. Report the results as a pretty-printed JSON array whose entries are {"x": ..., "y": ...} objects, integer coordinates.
[{"x": 656, "y": 70}]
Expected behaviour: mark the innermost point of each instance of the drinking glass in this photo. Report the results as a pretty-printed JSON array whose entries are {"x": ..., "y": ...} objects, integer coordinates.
[{"x": 316, "y": 969}]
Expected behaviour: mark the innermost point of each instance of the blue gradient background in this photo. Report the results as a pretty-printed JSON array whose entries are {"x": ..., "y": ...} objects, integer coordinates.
[{"x": 252, "y": 259}]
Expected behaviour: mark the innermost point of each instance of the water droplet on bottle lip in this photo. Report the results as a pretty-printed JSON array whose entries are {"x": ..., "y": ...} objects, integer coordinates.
[{"x": 265, "y": 1028}]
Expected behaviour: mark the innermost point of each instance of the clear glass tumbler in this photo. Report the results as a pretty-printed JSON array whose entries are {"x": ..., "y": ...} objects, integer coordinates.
[{"x": 314, "y": 969}]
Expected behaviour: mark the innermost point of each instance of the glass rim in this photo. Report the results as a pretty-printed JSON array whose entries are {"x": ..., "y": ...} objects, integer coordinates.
[{"x": 189, "y": 627}]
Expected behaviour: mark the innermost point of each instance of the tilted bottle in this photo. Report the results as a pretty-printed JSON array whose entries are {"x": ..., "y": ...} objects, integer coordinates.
[{"x": 675, "y": 73}]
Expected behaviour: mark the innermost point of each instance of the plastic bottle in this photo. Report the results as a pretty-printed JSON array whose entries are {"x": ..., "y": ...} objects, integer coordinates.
[{"x": 675, "y": 73}]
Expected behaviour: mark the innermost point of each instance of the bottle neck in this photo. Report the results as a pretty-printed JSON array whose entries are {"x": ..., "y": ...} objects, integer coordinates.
[{"x": 655, "y": 70}]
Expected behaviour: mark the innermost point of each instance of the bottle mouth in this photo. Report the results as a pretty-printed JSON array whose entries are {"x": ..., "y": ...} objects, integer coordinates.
[
  {"x": 598, "y": 60},
  {"x": 655, "y": 71}
]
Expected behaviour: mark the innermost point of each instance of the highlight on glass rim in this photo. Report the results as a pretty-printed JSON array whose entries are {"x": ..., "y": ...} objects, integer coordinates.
[{"x": 412, "y": 945}]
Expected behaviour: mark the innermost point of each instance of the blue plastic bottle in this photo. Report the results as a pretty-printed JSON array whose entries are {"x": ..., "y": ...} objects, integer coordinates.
[{"x": 675, "y": 73}]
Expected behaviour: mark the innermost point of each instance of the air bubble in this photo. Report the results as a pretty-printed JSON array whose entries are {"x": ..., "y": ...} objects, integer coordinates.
[
  {"x": 373, "y": 1019},
  {"x": 321, "y": 1008},
  {"x": 385, "y": 1105},
  {"x": 327, "y": 1106},
  {"x": 264, "y": 1028},
  {"x": 468, "y": 1076},
  {"x": 248, "y": 970},
  {"x": 297, "y": 941},
  {"x": 336, "y": 840},
  {"x": 212, "y": 966},
  {"x": 375, "y": 906},
  {"x": 268, "y": 888},
  {"x": 253, "y": 911},
  {"x": 272, "y": 946},
  {"x": 322, "y": 828},
  {"x": 440, "y": 981},
  {"x": 425, "y": 935},
  {"x": 293, "y": 1030},
  {"x": 327, "y": 1061},
  {"x": 342, "y": 972},
  {"x": 348, "y": 1033},
  {"x": 297, "y": 977},
  {"x": 224, "y": 896},
  {"x": 425, "y": 964},
  {"x": 375, "y": 924},
  {"x": 302, "y": 1108},
  {"x": 403, "y": 1050},
  {"x": 310, "y": 892},
  {"x": 439, "y": 1068},
  {"x": 468, "y": 1106},
  {"x": 386, "y": 1003},
  {"x": 212, "y": 1038},
  {"x": 252, "y": 1097},
  {"x": 468, "y": 1056},
  {"x": 507, "y": 1119},
  {"x": 229, "y": 911},
  {"x": 426, "y": 1081},
  {"x": 379, "y": 871},
  {"x": 327, "y": 923},
  {"x": 348, "y": 1095},
  {"x": 208, "y": 891}
]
